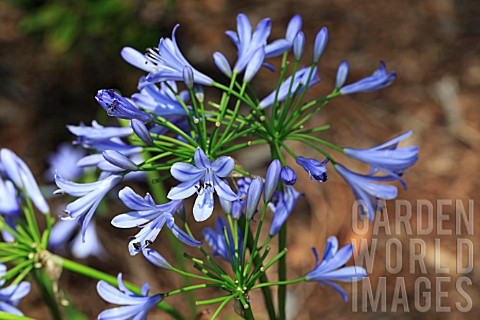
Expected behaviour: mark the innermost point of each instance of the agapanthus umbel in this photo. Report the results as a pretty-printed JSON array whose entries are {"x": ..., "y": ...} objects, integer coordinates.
[
  {"x": 368, "y": 190},
  {"x": 133, "y": 306},
  {"x": 151, "y": 218},
  {"x": 332, "y": 267},
  {"x": 203, "y": 178},
  {"x": 10, "y": 296},
  {"x": 164, "y": 63}
]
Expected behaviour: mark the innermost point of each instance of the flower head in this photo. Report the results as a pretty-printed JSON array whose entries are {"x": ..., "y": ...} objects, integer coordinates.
[
  {"x": 367, "y": 190},
  {"x": 315, "y": 168},
  {"x": 133, "y": 306},
  {"x": 10, "y": 296},
  {"x": 282, "y": 206},
  {"x": 164, "y": 63},
  {"x": 17, "y": 171},
  {"x": 90, "y": 196},
  {"x": 151, "y": 218},
  {"x": 216, "y": 239},
  {"x": 378, "y": 80},
  {"x": 202, "y": 178},
  {"x": 387, "y": 158},
  {"x": 332, "y": 267}
]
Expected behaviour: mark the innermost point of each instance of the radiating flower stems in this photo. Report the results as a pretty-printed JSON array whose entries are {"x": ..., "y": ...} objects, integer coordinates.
[{"x": 99, "y": 275}]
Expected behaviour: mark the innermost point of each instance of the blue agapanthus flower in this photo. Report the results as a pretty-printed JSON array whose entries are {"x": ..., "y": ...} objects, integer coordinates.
[
  {"x": 14, "y": 169},
  {"x": 119, "y": 107},
  {"x": 298, "y": 86},
  {"x": 10, "y": 296},
  {"x": 151, "y": 218},
  {"x": 203, "y": 178},
  {"x": 101, "y": 138},
  {"x": 65, "y": 237},
  {"x": 9, "y": 202},
  {"x": 164, "y": 63},
  {"x": 217, "y": 241},
  {"x": 387, "y": 158},
  {"x": 332, "y": 267},
  {"x": 282, "y": 206},
  {"x": 377, "y": 81},
  {"x": 64, "y": 162},
  {"x": 316, "y": 169},
  {"x": 133, "y": 306},
  {"x": 367, "y": 190},
  {"x": 90, "y": 195}
]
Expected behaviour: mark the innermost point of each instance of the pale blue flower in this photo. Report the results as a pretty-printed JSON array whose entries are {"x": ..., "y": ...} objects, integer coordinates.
[
  {"x": 164, "y": 63},
  {"x": 11, "y": 296},
  {"x": 367, "y": 190},
  {"x": 64, "y": 162},
  {"x": 90, "y": 195},
  {"x": 217, "y": 241},
  {"x": 282, "y": 206},
  {"x": 151, "y": 218},
  {"x": 134, "y": 306},
  {"x": 378, "y": 80},
  {"x": 332, "y": 267},
  {"x": 202, "y": 178},
  {"x": 387, "y": 158},
  {"x": 298, "y": 86},
  {"x": 18, "y": 172}
]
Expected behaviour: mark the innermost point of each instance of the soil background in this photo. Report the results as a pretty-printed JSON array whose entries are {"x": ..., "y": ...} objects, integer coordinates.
[{"x": 433, "y": 45}]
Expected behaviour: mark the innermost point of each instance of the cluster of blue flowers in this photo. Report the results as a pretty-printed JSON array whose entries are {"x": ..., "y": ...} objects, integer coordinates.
[{"x": 171, "y": 132}]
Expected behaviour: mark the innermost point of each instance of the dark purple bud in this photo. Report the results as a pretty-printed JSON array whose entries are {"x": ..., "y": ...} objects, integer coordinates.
[
  {"x": 298, "y": 45},
  {"x": 320, "y": 44},
  {"x": 271, "y": 179},
  {"x": 141, "y": 131},
  {"x": 120, "y": 160},
  {"x": 288, "y": 176},
  {"x": 222, "y": 64},
  {"x": 119, "y": 107},
  {"x": 342, "y": 74},
  {"x": 188, "y": 76},
  {"x": 253, "y": 197},
  {"x": 315, "y": 168}
]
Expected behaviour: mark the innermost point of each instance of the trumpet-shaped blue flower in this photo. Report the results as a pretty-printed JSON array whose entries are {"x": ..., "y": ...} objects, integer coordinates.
[
  {"x": 119, "y": 107},
  {"x": 18, "y": 172},
  {"x": 282, "y": 206},
  {"x": 217, "y": 241},
  {"x": 367, "y": 190},
  {"x": 332, "y": 267},
  {"x": 315, "y": 168},
  {"x": 203, "y": 178},
  {"x": 164, "y": 63},
  {"x": 101, "y": 138},
  {"x": 133, "y": 306},
  {"x": 90, "y": 196},
  {"x": 64, "y": 237},
  {"x": 387, "y": 158},
  {"x": 378, "y": 80},
  {"x": 10, "y": 296},
  {"x": 151, "y": 218},
  {"x": 64, "y": 162},
  {"x": 298, "y": 86}
]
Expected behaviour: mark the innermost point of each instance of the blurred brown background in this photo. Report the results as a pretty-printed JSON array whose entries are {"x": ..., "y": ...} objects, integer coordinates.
[{"x": 51, "y": 68}]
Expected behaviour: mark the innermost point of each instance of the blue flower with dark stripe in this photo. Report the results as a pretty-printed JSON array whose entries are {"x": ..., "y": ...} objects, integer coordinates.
[
  {"x": 332, "y": 267},
  {"x": 203, "y": 178}
]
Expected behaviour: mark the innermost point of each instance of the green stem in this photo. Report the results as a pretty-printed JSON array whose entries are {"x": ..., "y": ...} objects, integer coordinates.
[{"x": 266, "y": 284}]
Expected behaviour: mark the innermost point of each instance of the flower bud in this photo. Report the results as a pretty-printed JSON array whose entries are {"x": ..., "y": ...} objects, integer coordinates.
[
  {"x": 222, "y": 64},
  {"x": 120, "y": 160},
  {"x": 298, "y": 45},
  {"x": 342, "y": 74},
  {"x": 253, "y": 197},
  {"x": 320, "y": 44},
  {"x": 188, "y": 76},
  {"x": 156, "y": 258},
  {"x": 141, "y": 131},
  {"x": 288, "y": 176},
  {"x": 271, "y": 179}
]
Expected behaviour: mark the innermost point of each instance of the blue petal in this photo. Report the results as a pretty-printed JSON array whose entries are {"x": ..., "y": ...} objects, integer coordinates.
[
  {"x": 223, "y": 189},
  {"x": 203, "y": 206},
  {"x": 223, "y": 166},
  {"x": 185, "y": 172}
]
